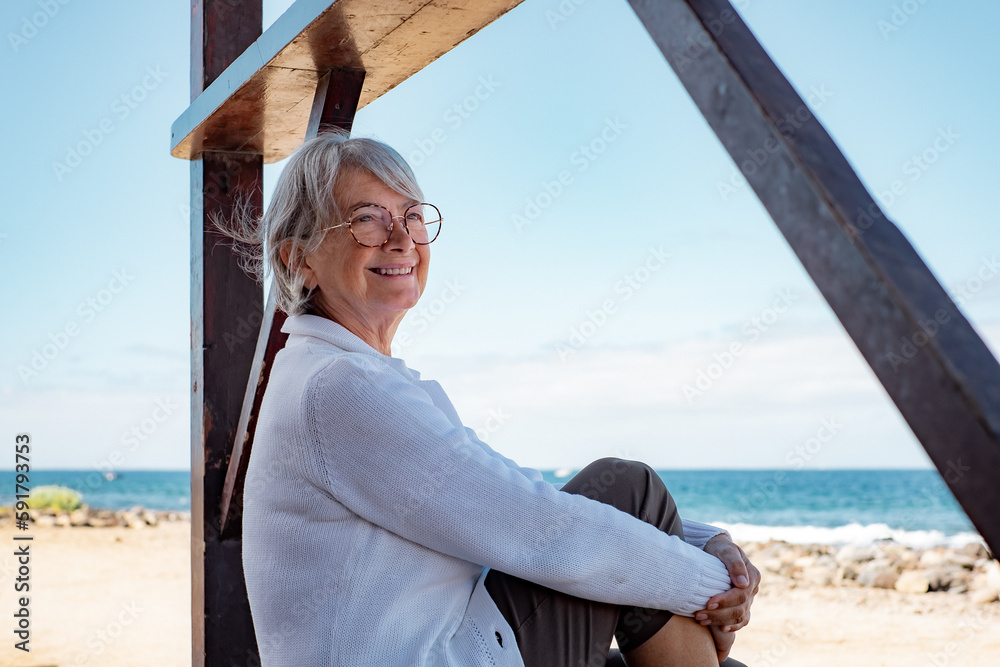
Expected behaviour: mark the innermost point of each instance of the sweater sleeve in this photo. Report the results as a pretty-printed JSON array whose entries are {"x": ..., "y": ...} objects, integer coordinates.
[
  {"x": 695, "y": 533},
  {"x": 394, "y": 459},
  {"x": 698, "y": 534}
]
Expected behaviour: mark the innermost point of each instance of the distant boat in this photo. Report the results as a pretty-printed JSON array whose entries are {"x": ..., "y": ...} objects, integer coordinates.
[
  {"x": 110, "y": 475},
  {"x": 564, "y": 472}
]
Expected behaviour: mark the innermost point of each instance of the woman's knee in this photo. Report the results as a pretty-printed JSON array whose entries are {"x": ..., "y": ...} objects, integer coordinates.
[
  {"x": 631, "y": 486},
  {"x": 603, "y": 477}
]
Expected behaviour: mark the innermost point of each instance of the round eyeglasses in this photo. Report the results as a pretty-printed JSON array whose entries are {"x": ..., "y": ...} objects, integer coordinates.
[{"x": 371, "y": 224}]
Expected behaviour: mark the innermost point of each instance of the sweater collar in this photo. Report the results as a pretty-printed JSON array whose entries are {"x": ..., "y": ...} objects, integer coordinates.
[{"x": 340, "y": 337}]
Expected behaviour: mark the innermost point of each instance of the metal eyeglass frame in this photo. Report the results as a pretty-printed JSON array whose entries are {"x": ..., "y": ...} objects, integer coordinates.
[{"x": 440, "y": 223}]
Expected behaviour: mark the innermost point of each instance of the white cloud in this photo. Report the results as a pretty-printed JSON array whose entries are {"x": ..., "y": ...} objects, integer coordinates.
[
  {"x": 604, "y": 401},
  {"x": 74, "y": 429}
]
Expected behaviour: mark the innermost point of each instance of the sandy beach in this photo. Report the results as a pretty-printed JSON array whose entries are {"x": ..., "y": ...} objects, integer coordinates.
[
  {"x": 119, "y": 596},
  {"x": 105, "y": 597}
]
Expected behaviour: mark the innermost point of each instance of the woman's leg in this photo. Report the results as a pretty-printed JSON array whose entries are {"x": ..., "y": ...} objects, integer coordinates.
[
  {"x": 553, "y": 629},
  {"x": 682, "y": 642}
]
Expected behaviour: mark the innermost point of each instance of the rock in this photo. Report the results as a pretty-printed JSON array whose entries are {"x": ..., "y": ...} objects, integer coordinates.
[
  {"x": 951, "y": 576},
  {"x": 131, "y": 519},
  {"x": 150, "y": 518},
  {"x": 99, "y": 522},
  {"x": 993, "y": 575},
  {"x": 62, "y": 521},
  {"x": 788, "y": 556},
  {"x": 79, "y": 517},
  {"x": 877, "y": 576},
  {"x": 851, "y": 554},
  {"x": 45, "y": 520},
  {"x": 984, "y": 596},
  {"x": 913, "y": 581},
  {"x": 975, "y": 550},
  {"x": 932, "y": 558},
  {"x": 818, "y": 574},
  {"x": 828, "y": 561},
  {"x": 943, "y": 578},
  {"x": 772, "y": 565},
  {"x": 885, "y": 579},
  {"x": 961, "y": 560}
]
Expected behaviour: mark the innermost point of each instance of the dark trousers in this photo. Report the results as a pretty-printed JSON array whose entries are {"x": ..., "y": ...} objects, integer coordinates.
[{"x": 553, "y": 629}]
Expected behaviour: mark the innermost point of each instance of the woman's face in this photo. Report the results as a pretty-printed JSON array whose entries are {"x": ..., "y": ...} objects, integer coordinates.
[{"x": 352, "y": 286}]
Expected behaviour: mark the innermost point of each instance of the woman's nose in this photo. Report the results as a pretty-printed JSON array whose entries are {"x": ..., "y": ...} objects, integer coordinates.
[{"x": 399, "y": 237}]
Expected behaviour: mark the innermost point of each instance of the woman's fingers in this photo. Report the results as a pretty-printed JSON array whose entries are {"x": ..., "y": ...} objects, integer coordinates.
[
  {"x": 753, "y": 573},
  {"x": 746, "y": 622},
  {"x": 735, "y": 617},
  {"x": 732, "y": 557},
  {"x": 730, "y": 608},
  {"x": 724, "y": 639},
  {"x": 734, "y": 597}
]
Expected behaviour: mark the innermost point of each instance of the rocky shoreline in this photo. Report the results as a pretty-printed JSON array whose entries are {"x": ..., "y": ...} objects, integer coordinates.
[
  {"x": 967, "y": 571},
  {"x": 86, "y": 517}
]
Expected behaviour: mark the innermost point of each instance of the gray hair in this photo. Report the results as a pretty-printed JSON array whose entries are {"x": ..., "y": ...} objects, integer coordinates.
[{"x": 303, "y": 204}]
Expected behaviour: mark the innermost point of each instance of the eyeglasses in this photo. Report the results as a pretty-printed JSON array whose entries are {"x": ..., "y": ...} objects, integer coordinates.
[{"x": 371, "y": 224}]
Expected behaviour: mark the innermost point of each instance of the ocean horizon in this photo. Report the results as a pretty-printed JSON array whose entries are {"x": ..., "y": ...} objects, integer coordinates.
[{"x": 911, "y": 507}]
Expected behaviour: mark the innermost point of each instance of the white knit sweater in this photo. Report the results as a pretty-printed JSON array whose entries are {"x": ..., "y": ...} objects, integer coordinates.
[{"x": 371, "y": 512}]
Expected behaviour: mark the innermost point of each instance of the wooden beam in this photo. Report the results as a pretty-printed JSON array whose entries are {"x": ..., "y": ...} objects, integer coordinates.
[
  {"x": 221, "y": 293},
  {"x": 270, "y": 339},
  {"x": 334, "y": 104},
  {"x": 937, "y": 370},
  {"x": 260, "y": 104}
]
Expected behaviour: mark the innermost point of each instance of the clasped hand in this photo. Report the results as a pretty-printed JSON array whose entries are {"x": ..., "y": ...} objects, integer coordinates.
[{"x": 727, "y": 612}]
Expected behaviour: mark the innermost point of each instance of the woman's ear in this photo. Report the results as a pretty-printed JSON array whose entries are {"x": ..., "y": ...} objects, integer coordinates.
[{"x": 294, "y": 260}]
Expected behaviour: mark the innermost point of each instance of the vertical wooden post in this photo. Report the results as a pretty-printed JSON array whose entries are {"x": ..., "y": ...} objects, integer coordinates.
[{"x": 221, "y": 352}]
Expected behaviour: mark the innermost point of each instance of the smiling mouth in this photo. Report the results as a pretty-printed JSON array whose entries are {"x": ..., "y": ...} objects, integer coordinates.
[{"x": 393, "y": 272}]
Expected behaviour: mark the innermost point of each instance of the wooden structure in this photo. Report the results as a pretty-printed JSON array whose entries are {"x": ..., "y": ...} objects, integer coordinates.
[{"x": 255, "y": 97}]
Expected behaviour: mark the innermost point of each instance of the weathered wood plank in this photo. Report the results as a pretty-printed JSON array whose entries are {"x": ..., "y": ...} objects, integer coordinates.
[{"x": 260, "y": 104}]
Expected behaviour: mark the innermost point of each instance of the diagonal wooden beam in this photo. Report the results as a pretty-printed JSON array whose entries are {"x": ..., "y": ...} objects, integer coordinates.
[
  {"x": 270, "y": 339},
  {"x": 937, "y": 370},
  {"x": 334, "y": 105}
]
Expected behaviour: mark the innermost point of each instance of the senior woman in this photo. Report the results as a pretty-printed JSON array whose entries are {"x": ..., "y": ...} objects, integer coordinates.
[{"x": 378, "y": 530}]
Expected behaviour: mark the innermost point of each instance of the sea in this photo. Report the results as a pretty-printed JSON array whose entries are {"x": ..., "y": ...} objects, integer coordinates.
[{"x": 910, "y": 507}]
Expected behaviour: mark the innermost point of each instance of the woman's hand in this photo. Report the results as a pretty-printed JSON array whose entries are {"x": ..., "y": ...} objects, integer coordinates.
[
  {"x": 730, "y": 611},
  {"x": 723, "y": 641}
]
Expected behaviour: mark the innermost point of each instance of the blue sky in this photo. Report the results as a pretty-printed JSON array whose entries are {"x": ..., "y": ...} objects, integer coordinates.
[{"x": 574, "y": 293}]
